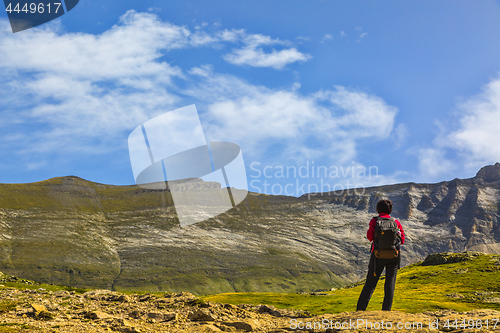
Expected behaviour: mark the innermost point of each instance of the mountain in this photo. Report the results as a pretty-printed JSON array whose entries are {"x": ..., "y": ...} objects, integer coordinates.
[{"x": 78, "y": 233}]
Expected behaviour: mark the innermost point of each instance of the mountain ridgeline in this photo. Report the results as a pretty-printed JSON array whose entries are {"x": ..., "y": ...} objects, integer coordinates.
[{"x": 78, "y": 233}]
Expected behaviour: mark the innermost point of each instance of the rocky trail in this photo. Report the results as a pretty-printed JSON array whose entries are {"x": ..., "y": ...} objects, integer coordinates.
[{"x": 39, "y": 310}]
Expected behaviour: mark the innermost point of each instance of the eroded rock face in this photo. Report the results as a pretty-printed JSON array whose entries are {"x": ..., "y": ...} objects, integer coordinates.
[
  {"x": 74, "y": 232},
  {"x": 490, "y": 173}
]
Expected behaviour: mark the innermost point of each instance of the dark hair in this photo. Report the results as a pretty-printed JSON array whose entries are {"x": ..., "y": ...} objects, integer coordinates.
[{"x": 384, "y": 206}]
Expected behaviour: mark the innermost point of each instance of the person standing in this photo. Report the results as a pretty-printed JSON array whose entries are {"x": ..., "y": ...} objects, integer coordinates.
[{"x": 380, "y": 232}]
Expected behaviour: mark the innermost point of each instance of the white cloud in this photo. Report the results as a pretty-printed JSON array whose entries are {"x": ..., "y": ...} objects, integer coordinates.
[
  {"x": 79, "y": 92},
  {"x": 326, "y": 37},
  {"x": 402, "y": 133},
  {"x": 433, "y": 163},
  {"x": 126, "y": 50},
  {"x": 83, "y": 94},
  {"x": 326, "y": 123},
  {"x": 79, "y": 87},
  {"x": 256, "y": 57},
  {"x": 471, "y": 140},
  {"x": 363, "y": 34},
  {"x": 479, "y": 132}
]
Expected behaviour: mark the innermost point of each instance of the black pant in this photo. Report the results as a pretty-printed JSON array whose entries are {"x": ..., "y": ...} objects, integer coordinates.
[{"x": 391, "y": 270}]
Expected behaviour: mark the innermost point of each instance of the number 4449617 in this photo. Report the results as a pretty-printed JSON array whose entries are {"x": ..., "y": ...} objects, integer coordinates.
[
  {"x": 34, "y": 8},
  {"x": 471, "y": 324}
]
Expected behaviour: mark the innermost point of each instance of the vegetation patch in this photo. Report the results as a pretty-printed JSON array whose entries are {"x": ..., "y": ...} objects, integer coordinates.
[{"x": 466, "y": 281}]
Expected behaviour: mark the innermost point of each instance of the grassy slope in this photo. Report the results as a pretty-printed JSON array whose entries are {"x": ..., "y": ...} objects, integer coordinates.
[{"x": 418, "y": 288}]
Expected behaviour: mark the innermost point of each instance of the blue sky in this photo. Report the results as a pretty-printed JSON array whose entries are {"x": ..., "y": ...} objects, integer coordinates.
[{"x": 411, "y": 88}]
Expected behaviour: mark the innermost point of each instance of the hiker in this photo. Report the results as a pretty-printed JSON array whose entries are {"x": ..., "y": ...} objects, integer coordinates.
[{"x": 386, "y": 235}]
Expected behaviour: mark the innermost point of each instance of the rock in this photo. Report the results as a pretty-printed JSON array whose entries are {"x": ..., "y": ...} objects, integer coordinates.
[
  {"x": 208, "y": 328},
  {"x": 100, "y": 294},
  {"x": 449, "y": 258},
  {"x": 38, "y": 308},
  {"x": 201, "y": 315},
  {"x": 136, "y": 314},
  {"x": 247, "y": 325},
  {"x": 165, "y": 300},
  {"x": 41, "y": 312},
  {"x": 425, "y": 204},
  {"x": 117, "y": 298},
  {"x": 124, "y": 326},
  {"x": 492, "y": 300},
  {"x": 98, "y": 315},
  {"x": 160, "y": 316},
  {"x": 61, "y": 293},
  {"x": 490, "y": 173},
  {"x": 268, "y": 309}
]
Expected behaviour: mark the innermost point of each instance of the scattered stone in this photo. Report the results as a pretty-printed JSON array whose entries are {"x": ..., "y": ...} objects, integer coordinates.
[
  {"x": 61, "y": 293},
  {"x": 100, "y": 294},
  {"x": 41, "y": 312},
  {"x": 455, "y": 295},
  {"x": 492, "y": 300},
  {"x": 117, "y": 298},
  {"x": 461, "y": 271},
  {"x": 449, "y": 258},
  {"x": 38, "y": 308},
  {"x": 248, "y": 325},
  {"x": 98, "y": 315},
  {"x": 208, "y": 328},
  {"x": 161, "y": 316},
  {"x": 136, "y": 314},
  {"x": 201, "y": 315}
]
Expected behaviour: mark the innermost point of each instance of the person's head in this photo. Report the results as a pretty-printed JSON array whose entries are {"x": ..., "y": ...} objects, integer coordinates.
[{"x": 384, "y": 206}]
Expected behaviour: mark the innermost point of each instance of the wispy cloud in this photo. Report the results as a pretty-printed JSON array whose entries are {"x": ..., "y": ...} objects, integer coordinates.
[
  {"x": 257, "y": 57},
  {"x": 471, "y": 140},
  {"x": 329, "y": 122},
  {"x": 77, "y": 93},
  {"x": 326, "y": 37},
  {"x": 252, "y": 54}
]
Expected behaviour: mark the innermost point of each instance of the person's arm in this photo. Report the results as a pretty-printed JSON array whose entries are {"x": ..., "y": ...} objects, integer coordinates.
[
  {"x": 402, "y": 231},
  {"x": 371, "y": 230}
]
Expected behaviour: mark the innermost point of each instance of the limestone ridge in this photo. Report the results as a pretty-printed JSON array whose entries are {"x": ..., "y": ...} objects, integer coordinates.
[{"x": 78, "y": 233}]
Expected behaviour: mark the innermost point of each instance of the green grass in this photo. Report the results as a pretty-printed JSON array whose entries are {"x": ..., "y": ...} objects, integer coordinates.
[
  {"x": 7, "y": 305},
  {"x": 16, "y": 327},
  {"x": 418, "y": 288},
  {"x": 22, "y": 284}
]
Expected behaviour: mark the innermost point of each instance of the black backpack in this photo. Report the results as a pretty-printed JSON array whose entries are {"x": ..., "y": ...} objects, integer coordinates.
[{"x": 387, "y": 238}]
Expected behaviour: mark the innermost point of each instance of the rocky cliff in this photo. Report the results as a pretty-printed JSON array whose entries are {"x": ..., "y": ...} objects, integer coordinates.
[{"x": 75, "y": 232}]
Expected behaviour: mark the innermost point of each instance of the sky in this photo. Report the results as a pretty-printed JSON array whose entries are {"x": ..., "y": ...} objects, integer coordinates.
[{"x": 319, "y": 95}]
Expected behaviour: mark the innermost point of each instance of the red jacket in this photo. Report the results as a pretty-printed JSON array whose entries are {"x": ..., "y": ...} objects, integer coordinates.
[{"x": 371, "y": 229}]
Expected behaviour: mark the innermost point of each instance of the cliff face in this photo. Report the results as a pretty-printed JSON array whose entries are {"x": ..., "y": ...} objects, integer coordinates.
[{"x": 74, "y": 232}]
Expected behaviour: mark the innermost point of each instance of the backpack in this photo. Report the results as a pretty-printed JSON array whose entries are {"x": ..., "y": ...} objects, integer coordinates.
[{"x": 387, "y": 238}]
